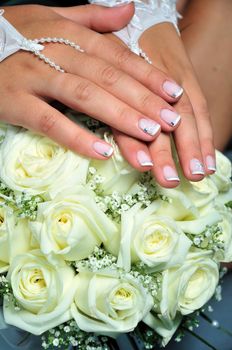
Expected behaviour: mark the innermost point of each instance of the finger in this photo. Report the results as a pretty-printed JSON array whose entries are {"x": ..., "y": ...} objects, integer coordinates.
[
  {"x": 187, "y": 142},
  {"x": 164, "y": 169},
  {"x": 151, "y": 77},
  {"x": 83, "y": 95},
  {"x": 135, "y": 152},
  {"x": 119, "y": 84},
  {"x": 99, "y": 18},
  {"x": 99, "y": 46},
  {"x": 37, "y": 115},
  {"x": 204, "y": 127}
]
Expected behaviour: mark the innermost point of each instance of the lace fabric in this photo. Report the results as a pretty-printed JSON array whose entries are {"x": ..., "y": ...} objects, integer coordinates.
[{"x": 147, "y": 13}]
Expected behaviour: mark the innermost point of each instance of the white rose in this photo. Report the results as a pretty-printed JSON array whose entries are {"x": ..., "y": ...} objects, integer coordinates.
[
  {"x": 178, "y": 207},
  {"x": 15, "y": 237},
  {"x": 197, "y": 226},
  {"x": 225, "y": 197},
  {"x": 33, "y": 163},
  {"x": 155, "y": 240},
  {"x": 188, "y": 287},
  {"x": 43, "y": 291},
  {"x": 163, "y": 325},
  {"x": 201, "y": 193},
  {"x": 222, "y": 177},
  {"x": 107, "y": 303},
  {"x": 117, "y": 173},
  {"x": 71, "y": 226}
]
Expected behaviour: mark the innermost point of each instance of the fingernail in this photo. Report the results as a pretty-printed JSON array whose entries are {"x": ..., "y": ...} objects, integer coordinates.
[
  {"x": 170, "y": 117},
  {"x": 170, "y": 174},
  {"x": 196, "y": 167},
  {"x": 149, "y": 126},
  {"x": 144, "y": 159},
  {"x": 211, "y": 163},
  {"x": 103, "y": 149},
  {"x": 172, "y": 89}
]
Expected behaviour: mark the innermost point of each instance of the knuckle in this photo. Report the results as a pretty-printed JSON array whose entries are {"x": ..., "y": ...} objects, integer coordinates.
[
  {"x": 123, "y": 114},
  {"x": 186, "y": 107},
  {"x": 110, "y": 75},
  {"x": 64, "y": 25},
  {"x": 163, "y": 154},
  {"x": 47, "y": 123},
  {"x": 75, "y": 141},
  {"x": 83, "y": 91},
  {"x": 203, "y": 109},
  {"x": 146, "y": 101},
  {"x": 207, "y": 142},
  {"x": 122, "y": 56},
  {"x": 149, "y": 73}
]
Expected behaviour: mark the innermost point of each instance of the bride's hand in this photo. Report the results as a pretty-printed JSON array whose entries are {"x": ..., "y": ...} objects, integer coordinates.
[
  {"x": 193, "y": 138},
  {"x": 106, "y": 81}
]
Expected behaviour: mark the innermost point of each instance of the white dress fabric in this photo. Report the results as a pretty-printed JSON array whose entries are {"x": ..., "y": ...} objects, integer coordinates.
[{"x": 147, "y": 14}]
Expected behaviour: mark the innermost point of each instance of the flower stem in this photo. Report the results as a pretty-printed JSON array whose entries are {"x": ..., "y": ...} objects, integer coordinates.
[
  {"x": 221, "y": 328},
  {"x": 132, "y": 341},
  {"x": 200, "y": 338}
]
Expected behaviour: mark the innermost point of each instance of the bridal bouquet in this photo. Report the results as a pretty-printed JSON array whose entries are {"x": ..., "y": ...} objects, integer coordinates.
[{"x": 93, "y": 249}]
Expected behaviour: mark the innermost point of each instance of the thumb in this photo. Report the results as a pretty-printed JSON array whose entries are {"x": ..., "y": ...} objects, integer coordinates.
[{"x": 99, "y": 18}]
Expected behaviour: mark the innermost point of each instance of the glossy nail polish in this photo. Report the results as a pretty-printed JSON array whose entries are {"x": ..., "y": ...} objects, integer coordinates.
[
  {"x": 170, "y": 117},
  {"x": 103, "y": 149},
  {"x": 149, "y": 126},
  {"x": 196, "y": 167},
  {"x": 144, "y": 159},
  {"x": 172, "y": 89},
  {"x": 211, "y": 163},
  {"x": 170, "y": 174}
]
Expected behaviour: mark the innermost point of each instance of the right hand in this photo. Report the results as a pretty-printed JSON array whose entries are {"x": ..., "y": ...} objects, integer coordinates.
[{"x": 107, "y": 82}]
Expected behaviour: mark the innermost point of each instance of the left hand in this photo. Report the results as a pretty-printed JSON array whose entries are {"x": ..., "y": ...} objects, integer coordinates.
[{"x": 193, "y": 138}]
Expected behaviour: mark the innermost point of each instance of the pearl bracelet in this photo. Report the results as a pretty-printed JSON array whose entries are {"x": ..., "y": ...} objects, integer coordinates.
[{"x": 11, "y": 41}]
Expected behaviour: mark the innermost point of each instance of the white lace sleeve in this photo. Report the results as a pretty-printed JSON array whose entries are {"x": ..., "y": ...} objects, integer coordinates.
[{"x": 147, "y": 14}]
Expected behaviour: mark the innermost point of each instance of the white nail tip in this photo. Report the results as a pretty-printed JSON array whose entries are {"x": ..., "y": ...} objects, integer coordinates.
[
  {"x": 173, "y": 179},
  {"x": 177, "y": 120},
  {"x": 147, "y": 164},
  {"x": 211, "y": 168},
  {"x": 178, "y": 93}
]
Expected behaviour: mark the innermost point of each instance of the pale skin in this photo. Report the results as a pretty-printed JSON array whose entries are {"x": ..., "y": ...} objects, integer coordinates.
[{"x": 193, "y": 119}]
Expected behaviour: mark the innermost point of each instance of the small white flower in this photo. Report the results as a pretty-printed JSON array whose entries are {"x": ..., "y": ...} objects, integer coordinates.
[{"x": 55, "y": 342}]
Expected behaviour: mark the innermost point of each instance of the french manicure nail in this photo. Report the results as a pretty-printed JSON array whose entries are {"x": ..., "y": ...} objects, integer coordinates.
[
  {"x": 149, "y": 126},
  {"x": 172, "y": 89},
  {"x": 211, "y": 163},
  {"x": 170, "y": 117},
  {"x": 103, "y": 149},
  {"x": 170, "y": 174},
  {"x": 196, "y": 167},
  {"x": 144, "y": 159}
]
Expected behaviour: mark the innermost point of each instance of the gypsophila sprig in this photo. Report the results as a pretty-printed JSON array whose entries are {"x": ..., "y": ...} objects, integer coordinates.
[
  {"x": 66, "y": 334},
  {"x": 209, "y": 239},
  {"x": 113, "y": 205},
  {"x": 23, "y": 204},
  {"x": 7, "y": 292},
  {"x": 151, "y": 282},
  {"x": 98, "y": 260}
]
